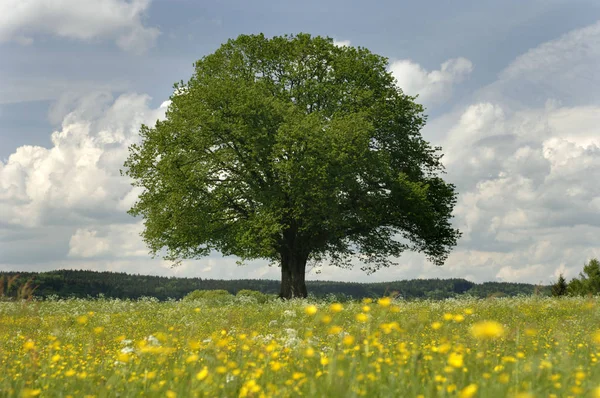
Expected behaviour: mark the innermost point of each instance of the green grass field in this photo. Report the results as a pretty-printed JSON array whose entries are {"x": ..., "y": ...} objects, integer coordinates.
[{"x": 523, "y": 347}]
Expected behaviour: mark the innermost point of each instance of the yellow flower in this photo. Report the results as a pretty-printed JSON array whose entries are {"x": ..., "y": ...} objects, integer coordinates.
[
  {"x": 336, "y": 307},
  {"x": 487, "y": 330},
  {"x": 595, "y": 393},
  {"x": 455, "y": 360},
  {"x": 28, "y": 345},
  {"x": 384, "y": 301},
  {"x": 348, "y": 340},
  {"x": 202, "y": 374},
  {"x": 82, "y": 320},
  {"x": 29, "y": 392},
  {"x": 469, "y": 391},
  {"x": 192, "y": 358},
  {"x": 524, "y": 395},
  {"x": 458, "y": 318},
  {"x": 275, "y": 366},
  {"x": 309, "y": 352},
  {"x": 436, "y": 325},
  {"x": 171, "y": 394},
  {"x": 335, "y": 330},
  {"x": 362, "y": 317},
  {"x": 596, "y": 337},
  {"x": 310, "y": 310}
]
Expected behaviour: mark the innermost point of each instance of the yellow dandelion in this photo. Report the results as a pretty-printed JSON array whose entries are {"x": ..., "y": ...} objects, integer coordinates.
[
  {"x": 336, "y": 307},
  {"x": 469, "y": 391},
  {"x": 192, "y": 358},
  {"x": 202, "y": 374},
  {"x": 310, "y": 310},
  {"x": 362, "y": 317},
  {"x": 335, "y": 330},
  {"x": 436, "y": 325},
  {"x": 455, "y": 360},
  {"x": 29, "y": 392},
  {"x": 348, "y": 340},
  {"x": 384, "y": 302},
  {"x": 28, "y": 345},
  {"x": 458, "y": 318},
  {"x": 487, "y": 330}
]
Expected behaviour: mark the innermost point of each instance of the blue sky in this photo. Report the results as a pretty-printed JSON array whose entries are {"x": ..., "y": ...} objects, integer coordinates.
[{"x": 511, "y": 90}]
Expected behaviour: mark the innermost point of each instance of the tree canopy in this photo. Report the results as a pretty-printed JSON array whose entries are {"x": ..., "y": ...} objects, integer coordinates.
[
  {"x": 292, "y": 149},
  {"x": 588, "y": 282}
]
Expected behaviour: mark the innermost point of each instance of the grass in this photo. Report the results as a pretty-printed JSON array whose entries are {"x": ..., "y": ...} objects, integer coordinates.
[{"x": 519, "y": 347}]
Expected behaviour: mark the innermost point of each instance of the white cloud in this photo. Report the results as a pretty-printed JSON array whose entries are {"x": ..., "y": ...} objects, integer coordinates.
[
  {"x": 432, "y": 87},
  {"x": 120, "y": 20},
  {"x": 77, "y": 180},
  {"x": 341, "y": 43}
]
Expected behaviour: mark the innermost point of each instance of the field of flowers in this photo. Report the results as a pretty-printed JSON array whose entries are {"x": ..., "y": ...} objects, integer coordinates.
[{"x": 524, "y": 347}]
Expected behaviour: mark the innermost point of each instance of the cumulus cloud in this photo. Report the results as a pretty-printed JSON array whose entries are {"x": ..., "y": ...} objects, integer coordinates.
[
  {"x": 77, "y": 180},
  {"x": 432, "y": 87},
  {"x": 119, "y": 20}
]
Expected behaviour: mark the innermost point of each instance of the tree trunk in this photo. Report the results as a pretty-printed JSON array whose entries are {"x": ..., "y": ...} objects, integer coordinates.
[{"x": 293, "y": 268}]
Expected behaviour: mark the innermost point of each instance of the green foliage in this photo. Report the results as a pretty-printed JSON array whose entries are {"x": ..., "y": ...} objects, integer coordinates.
[
  {"x": 207, "y": 295},
  {"x": 560, "y": 287},
  {"x": 254, "y": 295},
  {"x": 588, "y": 282},
  {"x": 292, "y": 149},
  {"x": 83, "y": 284}
]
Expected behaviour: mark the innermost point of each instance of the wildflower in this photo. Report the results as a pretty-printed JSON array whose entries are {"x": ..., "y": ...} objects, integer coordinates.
[
  {"x": 348, "y": 340},
  {"x": 310, "y": 310},
  {"x": 596, "y": 337},
  {"x": 362, "y": 317},
  {"x": 455, "y": 360},
  {"x": 202, "y": 374},
  {"x": 335, "y": 330},
  {"x": 487, "y": 330},
  {"x": 384, "y": 302},
  {"x": 436, "y": 325},
  {"x": 28, "y": 345},
  {"x": 192, "y": 358},
  {"x": 336, "y": 307},
  {"x": 469, "y": 391},
  {"x": 29, "y": 392},
  {"x": 458, "y": 318}
]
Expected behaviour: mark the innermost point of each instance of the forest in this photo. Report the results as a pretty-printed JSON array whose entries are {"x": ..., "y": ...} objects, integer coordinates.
[{"x": 90, "y": 284}]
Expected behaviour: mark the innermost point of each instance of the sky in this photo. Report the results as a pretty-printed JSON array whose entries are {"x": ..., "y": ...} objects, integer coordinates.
[{"x": 511, "y": 89}]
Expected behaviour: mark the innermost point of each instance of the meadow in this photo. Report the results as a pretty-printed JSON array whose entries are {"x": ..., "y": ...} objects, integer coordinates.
[{"x": 515, "y": 347}]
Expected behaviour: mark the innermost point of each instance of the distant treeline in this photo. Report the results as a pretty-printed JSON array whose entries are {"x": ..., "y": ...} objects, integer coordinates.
[{"x": 82, "y": 284}]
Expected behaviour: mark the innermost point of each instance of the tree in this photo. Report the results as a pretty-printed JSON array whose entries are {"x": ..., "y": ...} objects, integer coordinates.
[
  {"x": 560, "y": 287},
  {"x": 292, "y": 149},
  {"x": 588, "y": 282}
]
